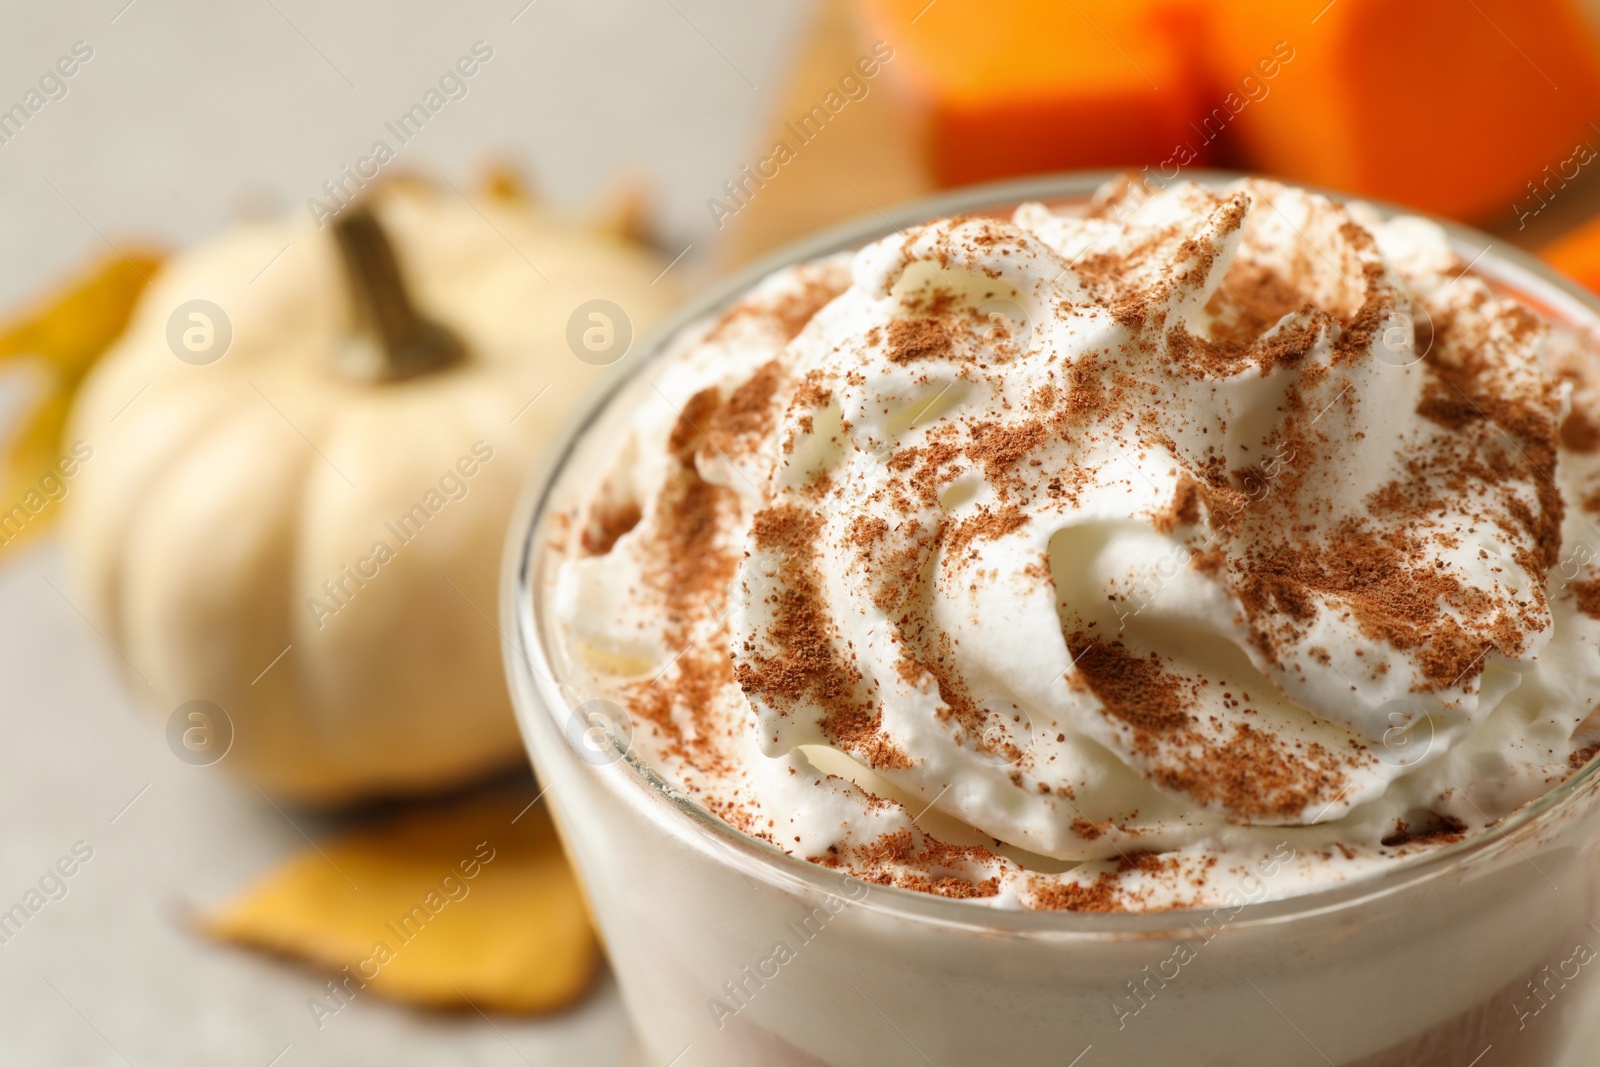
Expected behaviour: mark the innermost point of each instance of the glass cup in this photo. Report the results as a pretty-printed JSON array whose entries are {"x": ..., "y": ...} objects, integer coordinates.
[{"x": 730, "y": 951}]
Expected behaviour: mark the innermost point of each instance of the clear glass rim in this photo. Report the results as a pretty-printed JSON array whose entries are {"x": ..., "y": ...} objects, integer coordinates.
[{"x": 537, "y": 692}]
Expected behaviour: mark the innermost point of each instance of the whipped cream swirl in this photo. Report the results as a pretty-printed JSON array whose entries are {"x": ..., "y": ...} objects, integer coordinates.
[{"x": 1052, "y": 560}]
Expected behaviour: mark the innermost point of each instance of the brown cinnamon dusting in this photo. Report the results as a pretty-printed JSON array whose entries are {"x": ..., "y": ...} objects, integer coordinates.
[
  {"x": 1246, "y": 772},
  {"x": 1587, "y": 595},
  {"x": 1000, "y": 447},
  {"x": 918, "y": 338},
  {"x": 1250, "y": 300},
  {"x": 1390, "y": 586},
  {"x": 691, "y": 567},
  {"x": 1185, "y": 507},
  {"x": 985, "y": 525},
  {"x": 607, "y": 521},
  {"x": 795, "y": 310},
  {"x": 788, "y": 312},
  {"x": 913, "y": 860},
  {"x": 804, "y": 664},
  {"x": 748, "y": 414},
  {"x": 1580, "y": 432},
  {"x": 1108, "y": 891}
]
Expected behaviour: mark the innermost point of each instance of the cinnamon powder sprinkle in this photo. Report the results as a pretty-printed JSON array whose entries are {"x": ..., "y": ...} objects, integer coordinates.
[
  {"x": 1588, "y": 596},
  {"x": 1246, "y": 772},
  {"x": 1389, "y": 585},
  {"x": 912, "y": 860},
  {"x": 1108, "y": 891},
  {"x": 1580, "y": 433},
  {"x": 607, "y": 521},
  {"x": 788, "y": 312},
  {"x": 805, "y": 664},
  {"x": 748, "y": 414},
  {"x": 917, "y": 339},
  {"x": 1185, "y": 507}
]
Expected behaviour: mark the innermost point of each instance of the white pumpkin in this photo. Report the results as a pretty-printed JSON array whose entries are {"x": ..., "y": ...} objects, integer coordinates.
[{"x": 312, "y": 549}]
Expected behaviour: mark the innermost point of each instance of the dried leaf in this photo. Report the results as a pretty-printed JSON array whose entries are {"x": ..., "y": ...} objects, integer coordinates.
[
  {"x": 448, "y": 907},
  {"x": 61, "y": 337}
]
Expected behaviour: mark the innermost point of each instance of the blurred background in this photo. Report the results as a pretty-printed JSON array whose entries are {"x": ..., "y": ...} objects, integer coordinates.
[{"x": 188, "y": 776}]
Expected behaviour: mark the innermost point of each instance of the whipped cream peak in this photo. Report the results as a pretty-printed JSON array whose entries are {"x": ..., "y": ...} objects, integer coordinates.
[{"x": 1025, "y": 545}]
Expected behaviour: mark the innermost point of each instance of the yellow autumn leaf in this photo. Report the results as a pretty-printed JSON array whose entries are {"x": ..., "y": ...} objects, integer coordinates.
[
  {"x": 56, "y": 342},
  {"x": 452, "y": 906}
]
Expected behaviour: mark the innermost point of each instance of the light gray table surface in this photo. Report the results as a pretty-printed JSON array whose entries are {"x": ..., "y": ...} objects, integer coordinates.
[{"x": 188, "y": 113}]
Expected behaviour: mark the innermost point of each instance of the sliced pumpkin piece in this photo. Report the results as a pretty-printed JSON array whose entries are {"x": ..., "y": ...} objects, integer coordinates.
[
  {"x": 1041, "y": 85},
  {"x": 1447, "y": 106},
  {"x": 1577, "y": 254}
]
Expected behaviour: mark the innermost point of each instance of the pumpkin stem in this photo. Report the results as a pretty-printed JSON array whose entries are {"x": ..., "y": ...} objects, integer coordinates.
[{"x": 410, "y": 343}]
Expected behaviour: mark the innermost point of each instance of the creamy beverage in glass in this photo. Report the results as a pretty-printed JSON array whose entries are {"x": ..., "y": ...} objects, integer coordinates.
[{"x": 1153, "y": 626}]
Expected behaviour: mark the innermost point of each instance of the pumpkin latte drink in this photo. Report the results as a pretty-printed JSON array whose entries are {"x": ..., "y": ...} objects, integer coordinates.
[{"x": 1154, "y": 627}]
